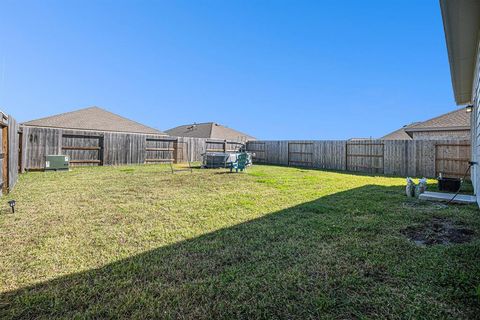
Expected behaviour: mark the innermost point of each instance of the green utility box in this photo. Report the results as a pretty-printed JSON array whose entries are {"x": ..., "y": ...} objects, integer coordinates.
[{"x": 56, "y": 163}]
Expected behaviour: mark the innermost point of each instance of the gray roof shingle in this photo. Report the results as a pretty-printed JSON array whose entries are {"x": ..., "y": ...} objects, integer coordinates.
[
  {"x": 209, "y": 130},
  {"x": 93, "y": 118},
  {"x": 457, "y": 119},
  {"x": 399, "y": 134}
]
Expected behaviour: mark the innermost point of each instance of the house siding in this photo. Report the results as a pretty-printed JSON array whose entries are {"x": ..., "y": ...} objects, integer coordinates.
[
  {"x": 475, "y": 120},
  {"x": 440, "y": 135}
]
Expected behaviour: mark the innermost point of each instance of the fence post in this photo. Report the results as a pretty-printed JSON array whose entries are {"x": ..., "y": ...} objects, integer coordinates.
[
  {"x": 176, "y": 157},
  {"x": 6, "y": 159},
  {"x": 101, "y": 152},
  {"x": 346, "y": 155},
  {"x": 383, "y": 156}
]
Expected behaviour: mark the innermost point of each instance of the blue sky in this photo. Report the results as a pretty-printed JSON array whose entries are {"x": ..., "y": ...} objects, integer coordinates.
[{"x": 275, "y": 69}]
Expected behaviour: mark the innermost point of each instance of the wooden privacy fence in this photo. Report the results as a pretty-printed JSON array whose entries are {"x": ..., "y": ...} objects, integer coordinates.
[
  {"x": 300, "y": 154},
  {"x": 11, "y": 137},
  {"x": 160, "y": 150},
  {"x": 366, "y": 156},
  {"x": 257, "y": 148},
  {"x": 452, "y": 159},
  {"x": 83, "y": 149},
  {"x": 97, "y": 148},
  {"x": 392, "y": 157},
  {"x": 222, "y": 146}
]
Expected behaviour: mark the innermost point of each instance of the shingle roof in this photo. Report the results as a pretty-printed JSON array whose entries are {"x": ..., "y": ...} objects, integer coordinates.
[
  {"x": 399, "y": 134},
  {"x": 93, "y": 118},
  {"x": 208, "y": 130},
  {"x": 456, "y": 119}
]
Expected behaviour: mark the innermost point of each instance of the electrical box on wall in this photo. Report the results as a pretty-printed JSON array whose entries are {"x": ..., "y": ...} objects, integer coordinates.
[{"x": 55, "y": 162}]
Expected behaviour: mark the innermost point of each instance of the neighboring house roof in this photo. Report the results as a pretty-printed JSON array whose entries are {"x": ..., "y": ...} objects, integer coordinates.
[
  {"x": 461, "y": 21},
  {"x": 452, "y": 121},
  {"x": 456, "y": 120},
  {"x": 399, "y": 134},
  {"x": 93, "y": 118},
  {"x": 208, "y": 130},
  {"x": 360, "y": 139}
]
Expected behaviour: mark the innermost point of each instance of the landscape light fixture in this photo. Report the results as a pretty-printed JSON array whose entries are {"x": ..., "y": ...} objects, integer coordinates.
[
  {"x": 12, "y": 205},
  {"x": 469, "y": 108}
]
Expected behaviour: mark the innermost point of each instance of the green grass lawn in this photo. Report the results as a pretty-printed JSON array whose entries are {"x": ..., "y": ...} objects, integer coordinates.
[{"x": 275, "y": 242}]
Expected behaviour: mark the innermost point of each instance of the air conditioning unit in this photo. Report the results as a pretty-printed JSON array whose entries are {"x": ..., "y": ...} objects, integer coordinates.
[{"x": 55, "y": 162}]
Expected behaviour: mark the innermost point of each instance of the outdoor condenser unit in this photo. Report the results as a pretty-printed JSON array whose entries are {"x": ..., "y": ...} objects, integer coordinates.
[
  {"x": 215, "y": 159},
  {"x": 57, "y": 163}
]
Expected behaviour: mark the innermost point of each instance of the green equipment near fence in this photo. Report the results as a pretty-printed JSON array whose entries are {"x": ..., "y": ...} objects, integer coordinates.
[
  {"x": 236, "y": 160},
  {"x": 241, "y": 162},
  {"x": 55, "y": 162}
]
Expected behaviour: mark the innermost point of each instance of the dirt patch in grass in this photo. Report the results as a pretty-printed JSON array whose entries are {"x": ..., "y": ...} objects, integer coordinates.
[{"x": 438, "y": 231}]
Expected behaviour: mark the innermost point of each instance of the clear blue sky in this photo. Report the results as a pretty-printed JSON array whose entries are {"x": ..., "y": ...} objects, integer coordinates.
[{"x": 272, "y": 68}]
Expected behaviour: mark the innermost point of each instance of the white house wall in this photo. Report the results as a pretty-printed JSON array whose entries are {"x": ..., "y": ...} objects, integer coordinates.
[{"x": 475, "y": 120}]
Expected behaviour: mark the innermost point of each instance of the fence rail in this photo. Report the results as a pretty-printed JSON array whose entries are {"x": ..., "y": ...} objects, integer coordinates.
[{"x": 426, "y": 158}]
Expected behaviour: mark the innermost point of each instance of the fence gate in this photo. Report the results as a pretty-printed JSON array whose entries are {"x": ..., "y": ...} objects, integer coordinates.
[
  {"x": 258, "y": 150},
  {"x": 451, "y": 159},
  {"x": 300, "y": 154},
  {"x": 83, "y": 150},
  {"x": 365, "y": 156},
  {"x": 159, "y": 150}
]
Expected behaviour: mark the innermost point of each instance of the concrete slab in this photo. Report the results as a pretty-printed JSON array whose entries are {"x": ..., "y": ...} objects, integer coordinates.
[{"x": 440, "y": 196}]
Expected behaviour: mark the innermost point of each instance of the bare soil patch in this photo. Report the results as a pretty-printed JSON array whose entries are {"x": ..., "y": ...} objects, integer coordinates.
[{"x": 438, "y": 231}]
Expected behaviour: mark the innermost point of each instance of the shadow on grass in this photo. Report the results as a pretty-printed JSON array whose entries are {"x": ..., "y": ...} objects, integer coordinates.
[
  {"x": 340, "y": 256},
  {"x": 467, "y": 186},
  {"x": 227, "y": 171}
]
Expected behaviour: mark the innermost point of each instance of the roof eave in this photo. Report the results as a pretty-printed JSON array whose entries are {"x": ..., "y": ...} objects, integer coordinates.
[
  {"x": 456, "y": 128},
  {"x": 25, "y": 124},
  {"x": 461, "y": 22}
]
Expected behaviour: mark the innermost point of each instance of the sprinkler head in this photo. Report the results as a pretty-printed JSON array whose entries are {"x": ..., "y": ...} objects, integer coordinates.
[{"x": 12, "y": 203}]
